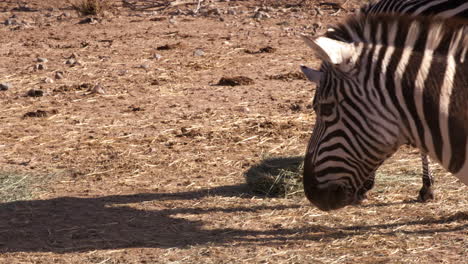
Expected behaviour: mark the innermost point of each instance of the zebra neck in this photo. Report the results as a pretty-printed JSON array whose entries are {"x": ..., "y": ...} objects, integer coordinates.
[{"x": 427, "y": 93}]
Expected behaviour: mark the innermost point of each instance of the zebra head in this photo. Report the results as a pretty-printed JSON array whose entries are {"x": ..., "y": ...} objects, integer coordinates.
[{"x": 351, "y": 137}]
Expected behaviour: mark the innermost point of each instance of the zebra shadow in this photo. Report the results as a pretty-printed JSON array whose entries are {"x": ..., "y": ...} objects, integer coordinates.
[
  {"x": 157, "y": 220},
  {"x": 72, "y": 224}
]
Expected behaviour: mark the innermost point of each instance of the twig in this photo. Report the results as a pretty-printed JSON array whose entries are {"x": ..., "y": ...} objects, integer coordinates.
[{"x": 198, "y": 7}]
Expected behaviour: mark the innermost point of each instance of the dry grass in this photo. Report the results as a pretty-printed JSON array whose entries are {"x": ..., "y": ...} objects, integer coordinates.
[
  {"x": 280, "y": 177},
  {"x": 18, "y": 186},
  {"x": 154, "y": 172},
  {"x": 14, "y": 186}
]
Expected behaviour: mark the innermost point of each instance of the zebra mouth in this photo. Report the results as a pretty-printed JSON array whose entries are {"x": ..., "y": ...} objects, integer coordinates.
[{"x": 332, "y": 197}]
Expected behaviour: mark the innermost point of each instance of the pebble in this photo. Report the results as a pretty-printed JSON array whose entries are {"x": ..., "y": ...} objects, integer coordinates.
[
  {"x": 40, "y": 66},
  {"x": 97, "y": 89},
  {"x": 88, "y": 20},
  {"x": 261, "y": 15},
  {"x": 10, "y": 22},
  {"x": 242, "y": 109},
  {"x": 5, "y": 86},
  {"x": 43, "y": 60},
  {"x": 122, "y": 72},
  {"x": 198, "y": 53},
  {"x": 214, "y": 11},
  {"x": 70, "y": 61},
  {"x": 157, "y": 56},
  {"x": 35, "y": 93},
  {"x": 58, "y": 75},
  {"x": 48, "y": 80}
]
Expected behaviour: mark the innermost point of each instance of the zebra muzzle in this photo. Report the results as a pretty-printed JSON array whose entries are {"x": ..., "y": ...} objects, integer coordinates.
[{"x": 332, "y": 197}]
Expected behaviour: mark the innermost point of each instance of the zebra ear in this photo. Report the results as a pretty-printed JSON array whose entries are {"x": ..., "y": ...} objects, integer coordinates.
[
  {"x": 333, "y": 51},
  {"x": 311, "y": 74}
]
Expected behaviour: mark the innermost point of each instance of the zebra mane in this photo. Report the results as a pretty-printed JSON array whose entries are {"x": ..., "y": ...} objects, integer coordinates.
[
  {"x": 367, "y": 7},
  {"x": 421, "y": 30}
]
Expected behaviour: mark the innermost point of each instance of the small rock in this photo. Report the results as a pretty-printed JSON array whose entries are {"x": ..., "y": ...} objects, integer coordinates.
[
  {"x": 43, "y": 60},
  {"x": 40, "y": 113},
  {"x": 58, "y": 75},
  {"x": 198, "y": 53},
  {"x": 295, "y": 107},
  {"x": 178, "y": 12},
  {"x": 88, "y": 20},
  {"x": 232, "y": 12},
  {"x": 10, "y": 22},
  {"x": 70, "y": 61},
  {"x": 143, "y": 66},
  {"x": 157, "y": 56},
  {"x": 48, "y": 80},
  {"x": 242, "y": 109},
  {"x": 135, "y": 108},
  {"x": 97, "y": 89},
  {"x": 40, "y": 67},
  {"x": 35, "y": 93},
  {"x": 261, "y": 15},
  {"x": 5, "y": 86},
  {"x": 214, "y": 11},
  {"x": 122, "y": 72}
]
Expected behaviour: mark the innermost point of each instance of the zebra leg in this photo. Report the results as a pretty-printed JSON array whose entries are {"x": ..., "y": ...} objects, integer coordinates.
[{"x": 426, "y": 193}]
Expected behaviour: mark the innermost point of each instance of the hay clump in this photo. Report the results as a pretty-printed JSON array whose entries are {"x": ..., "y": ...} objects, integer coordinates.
[
  {"x": 278, "y": 177},
  {"x": 14, "y": 187}
]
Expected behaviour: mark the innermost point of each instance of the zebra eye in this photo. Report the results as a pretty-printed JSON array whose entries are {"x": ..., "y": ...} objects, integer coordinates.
[{"x": 327, "y": 109}]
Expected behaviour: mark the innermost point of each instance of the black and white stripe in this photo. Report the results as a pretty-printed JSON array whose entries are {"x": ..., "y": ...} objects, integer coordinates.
[
  {"x": 439, "y": 8},
  {"x": 395, "y": 80}
]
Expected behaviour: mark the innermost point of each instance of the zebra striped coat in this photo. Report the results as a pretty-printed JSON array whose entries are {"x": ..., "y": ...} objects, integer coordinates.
[
  {"x": 401, "y": 80},
  {"x": 440, "y": 8}
]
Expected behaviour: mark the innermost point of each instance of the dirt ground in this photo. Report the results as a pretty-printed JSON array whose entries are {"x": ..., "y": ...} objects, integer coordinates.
[{"x": 129, "y": 148}]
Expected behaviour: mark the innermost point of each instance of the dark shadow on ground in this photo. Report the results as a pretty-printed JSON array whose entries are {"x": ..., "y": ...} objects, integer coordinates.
[{"x": 71, "y": 224}]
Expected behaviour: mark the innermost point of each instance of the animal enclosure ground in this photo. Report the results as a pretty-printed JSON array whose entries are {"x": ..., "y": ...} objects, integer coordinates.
[{"x": 120, "y": 143}]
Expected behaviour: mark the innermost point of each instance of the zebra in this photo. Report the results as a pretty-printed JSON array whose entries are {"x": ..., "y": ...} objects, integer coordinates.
[
  {"x": 439, "y": 8},
  {"x": 401, "y": 80}
]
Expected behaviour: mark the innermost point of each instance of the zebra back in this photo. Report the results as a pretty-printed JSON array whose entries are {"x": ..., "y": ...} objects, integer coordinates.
[
  {"x": 374, "y": 29},
  {"x": 440, "y": 8}
]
